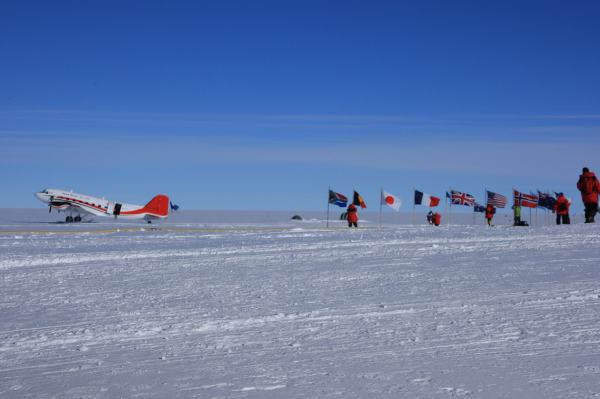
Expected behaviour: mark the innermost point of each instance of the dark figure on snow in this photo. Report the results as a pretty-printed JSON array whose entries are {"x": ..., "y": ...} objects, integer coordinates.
[
  {"x": 590, "y": 187},
  {"x": 490, "y": 211},
  {"x": 430, "y": 217},
  {"x": 517, "y": 214},
  {"x": 436, "y": 218},
  {"x": 561, "y": 207},
  {"x": 352, "y": 216}
]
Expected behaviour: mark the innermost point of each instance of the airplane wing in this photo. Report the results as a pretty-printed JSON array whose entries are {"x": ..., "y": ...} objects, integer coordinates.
[{"x": 85, "y": 209}]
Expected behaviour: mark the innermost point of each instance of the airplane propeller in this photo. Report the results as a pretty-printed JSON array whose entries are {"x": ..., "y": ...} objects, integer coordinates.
[{"x": 50, "y": 204}]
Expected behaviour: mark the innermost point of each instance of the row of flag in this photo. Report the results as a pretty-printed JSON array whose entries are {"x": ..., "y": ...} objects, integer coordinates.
[
  {"x": 541, "y": 199},
  {"x": 341, "y": 200}
]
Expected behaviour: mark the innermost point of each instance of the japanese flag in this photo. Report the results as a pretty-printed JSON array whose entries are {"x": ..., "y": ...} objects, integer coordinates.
[{"x": 391, "y": 200}]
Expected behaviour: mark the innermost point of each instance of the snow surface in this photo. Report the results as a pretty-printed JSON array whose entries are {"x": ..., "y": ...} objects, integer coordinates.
[{"x": 282, "y": 309}]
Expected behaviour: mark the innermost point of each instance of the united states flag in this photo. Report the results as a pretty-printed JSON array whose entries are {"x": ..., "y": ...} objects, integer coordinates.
[
  {"x": 495, "y": 199},
  {"x": 458, "y": 198}
]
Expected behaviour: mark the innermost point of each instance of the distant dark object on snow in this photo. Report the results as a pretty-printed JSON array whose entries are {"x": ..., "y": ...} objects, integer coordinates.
[
  {"x": 297, "y": 217},
  {"x": 344, "y": 216},
  {"x": 522, "y": 223}
]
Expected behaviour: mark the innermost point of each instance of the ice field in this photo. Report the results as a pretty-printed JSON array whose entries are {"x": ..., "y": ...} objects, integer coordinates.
[{"x": 269, "y": 308}]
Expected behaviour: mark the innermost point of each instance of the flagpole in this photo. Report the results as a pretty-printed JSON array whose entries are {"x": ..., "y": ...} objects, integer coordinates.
[
  {"x": 538, "y": 205},
  {"x": 486, "y": 200},
  {"x": 413, "y": 213},
  {"x": 547, "y": 219},
  {"x": 450, "y": 211},
  {"x": 327, "y": 226},
  {"x": 380, "y": 204},
  {"x": 515, "y": 204},
  {"x": 446, "y": 204}
]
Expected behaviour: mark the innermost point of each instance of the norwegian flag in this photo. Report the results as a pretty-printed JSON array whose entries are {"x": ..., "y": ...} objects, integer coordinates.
[
  {"x": 525, "y": 200},
  {"x": 458, "y": 198}
]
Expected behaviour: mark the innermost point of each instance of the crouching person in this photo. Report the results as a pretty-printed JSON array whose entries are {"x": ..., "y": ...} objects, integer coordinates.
[
  {"x": 517, "y": 214},
  {"x": 430, "y": 217}
]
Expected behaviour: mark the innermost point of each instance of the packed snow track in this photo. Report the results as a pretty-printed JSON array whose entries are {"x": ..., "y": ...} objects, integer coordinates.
[{"x": 301, "y": 311}]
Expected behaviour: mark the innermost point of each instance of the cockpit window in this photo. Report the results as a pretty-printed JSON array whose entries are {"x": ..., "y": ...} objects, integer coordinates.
[{"x": 45, "y": 191}]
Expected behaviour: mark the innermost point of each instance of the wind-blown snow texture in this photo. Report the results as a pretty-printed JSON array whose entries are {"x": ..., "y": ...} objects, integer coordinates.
[{"x": 295, "y": 310}]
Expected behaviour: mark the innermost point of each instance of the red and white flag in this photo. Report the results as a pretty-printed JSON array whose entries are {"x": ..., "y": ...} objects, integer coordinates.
[
  {"x": 391, "y": 200},
  {"x": 525, "y": 200}
]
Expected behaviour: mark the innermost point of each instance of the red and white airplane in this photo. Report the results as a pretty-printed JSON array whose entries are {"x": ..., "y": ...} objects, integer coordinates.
[{"x": 74, "y": 203}]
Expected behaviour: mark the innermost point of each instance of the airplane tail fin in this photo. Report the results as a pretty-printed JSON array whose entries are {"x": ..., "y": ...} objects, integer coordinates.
[{"x": 158, "y": 206}]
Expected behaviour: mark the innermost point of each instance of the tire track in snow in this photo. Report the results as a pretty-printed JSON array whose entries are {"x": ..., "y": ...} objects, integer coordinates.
[{"x": 368, "y": 304}]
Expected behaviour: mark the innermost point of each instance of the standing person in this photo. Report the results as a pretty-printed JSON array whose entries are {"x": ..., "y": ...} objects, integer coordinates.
[
  {"x": 517, "y": 214},
  {"x": 489, "y": 213},
  {"x": 590, "y": 187},
  {"x": 436, "y": 218},
  {"x": 352, "y": 216},
  {"x": 561, "y": 207},
  {"x": 430, "y": 217}
]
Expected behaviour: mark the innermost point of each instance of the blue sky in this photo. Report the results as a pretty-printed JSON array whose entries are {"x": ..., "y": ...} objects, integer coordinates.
[{"x": 263, "y": 105}]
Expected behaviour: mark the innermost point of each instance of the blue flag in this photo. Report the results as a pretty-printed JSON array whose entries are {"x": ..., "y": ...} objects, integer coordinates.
[{"x": 545, "y": 200}]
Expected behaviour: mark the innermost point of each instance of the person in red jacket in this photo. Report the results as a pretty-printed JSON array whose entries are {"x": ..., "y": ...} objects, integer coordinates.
[
  {"x": 561, "y": 207},
  {"x": 352, "y": 215},
  {"x": 490, "y": 211},
  {"x": 436, "y": 219},
  {"x": 590, "y": 187}
]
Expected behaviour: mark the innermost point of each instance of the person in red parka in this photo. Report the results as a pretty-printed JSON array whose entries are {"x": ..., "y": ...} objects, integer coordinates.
[
  {"x": 436, "y": 219},
  {"x": 352, "y": 215},
  {"x": 490, "y": 211},
  {"x": 561, "y": 207},
  {"x": 590, "y": 187}
]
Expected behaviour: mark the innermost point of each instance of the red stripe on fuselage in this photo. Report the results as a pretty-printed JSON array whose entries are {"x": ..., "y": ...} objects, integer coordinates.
[
  {"x": 80, "y": 202},
  {"x": 142, "y": 212}
]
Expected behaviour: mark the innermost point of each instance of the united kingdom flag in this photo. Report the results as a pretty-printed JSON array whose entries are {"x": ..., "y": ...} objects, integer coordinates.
[{"x": 458, "y": 198}]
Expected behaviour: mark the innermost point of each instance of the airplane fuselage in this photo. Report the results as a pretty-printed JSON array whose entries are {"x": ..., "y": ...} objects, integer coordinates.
[{"x": 62, "y": 200}]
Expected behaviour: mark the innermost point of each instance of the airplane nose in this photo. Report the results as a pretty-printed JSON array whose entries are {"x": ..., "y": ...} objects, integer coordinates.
[{"x": 41, "y": 197}]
